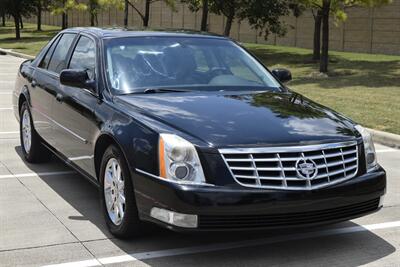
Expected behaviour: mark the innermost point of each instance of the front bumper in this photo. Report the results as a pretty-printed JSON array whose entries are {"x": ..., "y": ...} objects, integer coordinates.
[{"x": 239, "y": 208}]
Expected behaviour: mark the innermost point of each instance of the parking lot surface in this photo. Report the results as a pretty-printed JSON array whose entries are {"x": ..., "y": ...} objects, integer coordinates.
[{"x": 50, "y": 215}]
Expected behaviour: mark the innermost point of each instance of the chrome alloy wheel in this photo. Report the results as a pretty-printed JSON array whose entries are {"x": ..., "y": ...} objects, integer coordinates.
[
  {"x": 26, "y": 131},
  {"x": 114, "y": 193}
]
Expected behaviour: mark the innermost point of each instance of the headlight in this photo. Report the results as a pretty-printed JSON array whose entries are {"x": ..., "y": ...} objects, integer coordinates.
[
  {"x": 369, "y": 148},
  {"x": 178, "y": 160}
]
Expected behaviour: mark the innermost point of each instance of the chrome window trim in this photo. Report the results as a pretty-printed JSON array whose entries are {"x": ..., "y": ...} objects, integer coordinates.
[{"x": 291, "y": 149}]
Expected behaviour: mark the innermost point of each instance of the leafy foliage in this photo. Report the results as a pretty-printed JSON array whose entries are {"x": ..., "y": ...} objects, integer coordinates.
[
  {"x": 62, "y": 6},
  {"x": 265, "y": 15}
]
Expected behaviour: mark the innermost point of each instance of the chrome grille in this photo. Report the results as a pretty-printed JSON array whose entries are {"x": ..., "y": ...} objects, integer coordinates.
[{"x": 278, "y": 167}]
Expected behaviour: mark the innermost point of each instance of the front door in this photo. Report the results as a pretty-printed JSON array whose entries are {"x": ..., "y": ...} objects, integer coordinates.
[{"x": 74, "y": 110}]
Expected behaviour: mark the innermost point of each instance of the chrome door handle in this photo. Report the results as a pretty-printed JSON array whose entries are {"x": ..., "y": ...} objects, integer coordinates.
[{"x": 59, "y": 97}]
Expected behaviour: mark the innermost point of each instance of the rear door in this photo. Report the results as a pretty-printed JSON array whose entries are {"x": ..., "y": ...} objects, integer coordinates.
[
  {"x": 74, "y": 109},
  {"x": 44, "y": 84}
]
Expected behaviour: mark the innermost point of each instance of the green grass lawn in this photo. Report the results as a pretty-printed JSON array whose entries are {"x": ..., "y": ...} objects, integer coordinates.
[
  {"x": 364, "y": 87},
  {"x": 31, "y": 40}
]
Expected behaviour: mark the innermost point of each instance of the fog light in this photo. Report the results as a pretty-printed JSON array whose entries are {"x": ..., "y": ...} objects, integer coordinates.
[{"x": 174, "y": 218}]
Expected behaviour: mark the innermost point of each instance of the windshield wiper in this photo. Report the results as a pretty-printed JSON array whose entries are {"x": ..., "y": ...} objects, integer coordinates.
[{"x": 164, "y": 90}]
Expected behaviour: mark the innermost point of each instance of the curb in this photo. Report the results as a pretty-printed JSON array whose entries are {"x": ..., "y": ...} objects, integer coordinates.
[
  {"x": 384, "y": 138},
  {"x": 15, "y": 54}
]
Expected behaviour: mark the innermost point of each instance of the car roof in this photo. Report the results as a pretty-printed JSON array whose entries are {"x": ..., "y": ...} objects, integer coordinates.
[{"x": 103, "y": 33}]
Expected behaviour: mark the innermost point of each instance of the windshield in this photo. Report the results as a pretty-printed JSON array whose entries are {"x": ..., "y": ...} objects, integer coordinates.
[{"x": 137, "y": 64}]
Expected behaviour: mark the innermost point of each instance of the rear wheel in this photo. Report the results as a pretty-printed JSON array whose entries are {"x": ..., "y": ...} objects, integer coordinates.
[
  {"x": 117, "y": 196},
  {"x": 31, "y": 145}
]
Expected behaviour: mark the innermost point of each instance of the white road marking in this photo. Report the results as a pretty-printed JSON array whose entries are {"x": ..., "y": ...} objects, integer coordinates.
[
  {"x": 6, "y": 93},
  {"x": 225, "y": 246},
  {"x": 6, "y": 108},
  {"x": 15, "y": 132},
  {"x": 33, "y": 174},
  {"x": 386, "y": 150}
]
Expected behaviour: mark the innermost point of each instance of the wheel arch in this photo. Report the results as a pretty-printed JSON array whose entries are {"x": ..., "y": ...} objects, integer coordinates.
[
  {"x": 23, "y": 96},
  {"x": 102, "y": 143}
]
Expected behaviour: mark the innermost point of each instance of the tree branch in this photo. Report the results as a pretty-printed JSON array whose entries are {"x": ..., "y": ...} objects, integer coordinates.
[{"x": 136, "y": 9}]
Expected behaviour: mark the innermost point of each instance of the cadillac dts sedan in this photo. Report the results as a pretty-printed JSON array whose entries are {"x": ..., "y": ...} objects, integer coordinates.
[{"x": 190, "y": 131}]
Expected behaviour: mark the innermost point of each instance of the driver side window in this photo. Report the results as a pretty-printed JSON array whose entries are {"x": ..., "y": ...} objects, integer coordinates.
[{"x": 84, "y": 56}]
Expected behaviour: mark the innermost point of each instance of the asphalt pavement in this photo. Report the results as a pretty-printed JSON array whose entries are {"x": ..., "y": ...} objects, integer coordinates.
[{"x": 50, "y": 215}]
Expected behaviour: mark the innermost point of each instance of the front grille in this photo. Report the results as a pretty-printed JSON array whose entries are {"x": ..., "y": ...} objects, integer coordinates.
[
  {"x": 293, "y": 168},
  {"x": 286, "y": 219}
]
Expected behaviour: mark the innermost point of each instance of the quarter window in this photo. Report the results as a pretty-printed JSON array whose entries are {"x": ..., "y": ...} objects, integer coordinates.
[
  {"x": 84, "y": 56},
  {"x": 45, "y": 62},
  {"x": 58, "y": 61}
]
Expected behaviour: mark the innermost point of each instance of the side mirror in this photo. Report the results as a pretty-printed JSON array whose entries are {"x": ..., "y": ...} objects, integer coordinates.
[
  {"x": 77, "y": 78},
  {"x": 282, "y": 75}
]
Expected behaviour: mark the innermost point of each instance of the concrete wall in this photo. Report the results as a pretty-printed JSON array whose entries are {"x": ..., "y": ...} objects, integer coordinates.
[{"x": 369, "y": 30}]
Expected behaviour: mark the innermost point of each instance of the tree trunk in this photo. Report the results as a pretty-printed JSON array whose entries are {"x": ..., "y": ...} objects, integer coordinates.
[
  {"x": 92, "y": 19},
  {"x": 325, "y": 36},
  {"x": 39, "y": 16},
  {"x": 126, "y": 14},
  {"x": 317, "y": 36},
  {"x": 146, "y": 17},
  {"x": 21, "y": 22},
  {"x": 204, "y": 16},
  {"x": 64, "y": 21},
  {"x": 17, "y": 29},
  {"x": 92, "y": 13},
  {"x": 3, "y": 19},
  {"x": 228, "y": 26}
]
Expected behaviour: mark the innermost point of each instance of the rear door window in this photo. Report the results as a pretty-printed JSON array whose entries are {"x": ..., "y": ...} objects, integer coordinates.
[{"x": 59, "y": 59}]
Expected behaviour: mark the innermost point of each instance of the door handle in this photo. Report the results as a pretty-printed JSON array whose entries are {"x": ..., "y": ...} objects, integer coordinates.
[
  {"x": 59, "y": 97},
  {"x": 34, "y": 83}
]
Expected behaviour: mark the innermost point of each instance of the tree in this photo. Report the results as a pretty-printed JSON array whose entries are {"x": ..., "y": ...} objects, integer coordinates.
[
  {"x": 93, "y": 10},
  {"x": 323, "y": 9},
  {"x": 63, "y": 6},
  {"x": 265, "y": 15},
  {"x": 229, "y": 9},
  {"x": 41, "y": 5},
  {"x": 3, "y": 13},
  {"x": 195, "y": 6},
  {"x": 18, "y": 9},
  {"x": 95, "y": 6},
  {"x": 146, "y": 15},
  {"x": 317, "y": 15}
]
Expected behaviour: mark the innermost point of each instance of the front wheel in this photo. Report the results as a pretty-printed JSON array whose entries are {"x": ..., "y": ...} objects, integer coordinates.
[
  {"x": 117, "y": 196},
  {"x": 32, "y": 147}
]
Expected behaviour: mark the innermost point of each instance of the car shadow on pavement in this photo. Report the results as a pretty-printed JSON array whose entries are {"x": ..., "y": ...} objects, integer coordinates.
[{"x": 78, "y": 206}]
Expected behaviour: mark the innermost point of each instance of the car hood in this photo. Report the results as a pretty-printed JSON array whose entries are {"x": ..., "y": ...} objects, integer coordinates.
[{"x": 225, "y": 119}]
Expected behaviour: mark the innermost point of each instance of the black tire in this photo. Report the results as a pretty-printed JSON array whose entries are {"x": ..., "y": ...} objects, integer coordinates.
[
  {"x": 37, "y": 151},
  {"x": 131, "y": 225}
]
